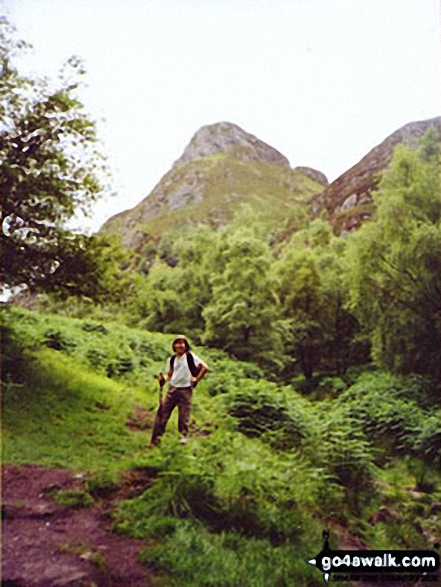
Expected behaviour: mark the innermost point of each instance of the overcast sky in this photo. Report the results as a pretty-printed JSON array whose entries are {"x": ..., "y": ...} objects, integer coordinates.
[{"x": 322, "y": 81}]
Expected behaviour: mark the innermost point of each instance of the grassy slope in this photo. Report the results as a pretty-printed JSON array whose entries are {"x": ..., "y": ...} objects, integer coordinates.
[
  {"x": 75, "y": 414},
  {"x": 74, "y": 417},
  {"x": 230, "y": 508}
]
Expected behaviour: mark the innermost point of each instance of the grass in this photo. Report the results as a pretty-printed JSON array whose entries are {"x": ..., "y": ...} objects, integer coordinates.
[
  {"x": 65, "y": 423},
  {"x": 73, "y": 498},
  {"x": 229, "y": 560},
  {"x": 75, "y": 414},
  {"x": 244, "y": 503}
]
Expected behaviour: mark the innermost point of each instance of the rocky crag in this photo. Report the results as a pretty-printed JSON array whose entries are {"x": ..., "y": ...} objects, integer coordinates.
[
  {"x": 225, "y": 137},
  {"x": 348, "y": 199},
  {"x": 222, "y": 167}
]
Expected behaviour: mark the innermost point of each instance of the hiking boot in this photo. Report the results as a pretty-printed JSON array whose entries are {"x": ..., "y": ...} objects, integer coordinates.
[{"x": 153, "y": 443}]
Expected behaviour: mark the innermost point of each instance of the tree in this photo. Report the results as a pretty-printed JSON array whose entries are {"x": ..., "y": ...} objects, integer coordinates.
[
  {"x": 395, "y": 263},
  {"x": 343, "y": 345},
  {"x": 154, "y": 302},
  {"x": 90, "y": 266},
  {"x": 50, "y": 169},
  {"x": 308, "y": 279},
  {"x": 175, "y": 291},
  {"x": 298, "y": 289},
  {"x": 243, "y": 316}
]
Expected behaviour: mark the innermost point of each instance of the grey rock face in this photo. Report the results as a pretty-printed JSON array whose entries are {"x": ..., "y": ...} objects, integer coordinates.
[
  {"x": 349, "y": 203},
  {"x": 217, "y": 167},
  {"x": 225, "y": 137},
  {"x": 317, "y": 176}
]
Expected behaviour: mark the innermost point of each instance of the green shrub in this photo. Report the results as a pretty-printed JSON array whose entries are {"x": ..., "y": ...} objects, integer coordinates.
[
  {"x": 96, "y": 357},
  {"x": 426, "y": 479},
  {"x": 333, "y": 384},
  {"x": 221, "y": 484},
  {"x": 119, "y": 366},
  {"x": 425, "y": 440},
  {"x": 94, "y": 327},
  {"x": 73, "y": 498},
  {"x": 180, "y": 490},
  {"x": 339, "y": 445},
  {"x": 58, "y": 340},
  {"x": 15, "y": 355},
  {"x": 252, "y": 496},
  {"x": 220, "y": 383},
  {"x": 251, "y": 371},
  {"x": 263, "y": 410},
  {"x": 389, "y": 414},
  {"x": 194, "y": 557}
]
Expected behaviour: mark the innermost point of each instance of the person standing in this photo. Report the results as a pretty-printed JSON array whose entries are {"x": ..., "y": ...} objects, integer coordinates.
[{"x": 184, "y": 371}]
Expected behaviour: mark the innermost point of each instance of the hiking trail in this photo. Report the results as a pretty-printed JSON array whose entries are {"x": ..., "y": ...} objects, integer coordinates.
[{"x": 50, "y": 545}]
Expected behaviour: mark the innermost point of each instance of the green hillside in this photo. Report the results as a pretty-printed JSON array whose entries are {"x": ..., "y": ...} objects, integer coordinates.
[
  {"x": 209, "y": 190},
  {"x": 266, "y": 468}
]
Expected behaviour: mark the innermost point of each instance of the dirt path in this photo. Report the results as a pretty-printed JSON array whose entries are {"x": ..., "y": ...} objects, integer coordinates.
[{"x": 48, "y": 545}]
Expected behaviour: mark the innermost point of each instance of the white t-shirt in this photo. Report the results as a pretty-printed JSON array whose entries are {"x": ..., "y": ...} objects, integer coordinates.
[{"x": 181, "y": 373}]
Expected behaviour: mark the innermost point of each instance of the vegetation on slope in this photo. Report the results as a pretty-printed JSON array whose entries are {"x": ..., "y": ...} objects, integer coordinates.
[
  {"x": 209, "y": 190},
  {"x": 266, "y": 468},
  {"x": 314, "y": 304},
  {"x": 293, "y": 431}
]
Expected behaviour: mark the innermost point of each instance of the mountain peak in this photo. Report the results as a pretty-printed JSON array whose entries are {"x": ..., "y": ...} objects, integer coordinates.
[
  {"x": 226, "y": 137},
  {"x": 221, "y": 168}
]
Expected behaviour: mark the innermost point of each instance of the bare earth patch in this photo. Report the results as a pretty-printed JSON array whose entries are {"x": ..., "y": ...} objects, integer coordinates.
[
  {"x": 141, "y": 419},
  {"x": 45, "y": 544}
]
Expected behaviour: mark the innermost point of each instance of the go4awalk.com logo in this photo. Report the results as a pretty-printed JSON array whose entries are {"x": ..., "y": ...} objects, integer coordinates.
[{"x": 379, "y": 564}]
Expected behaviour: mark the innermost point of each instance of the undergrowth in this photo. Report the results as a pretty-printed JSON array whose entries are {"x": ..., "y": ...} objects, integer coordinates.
[{"x": 266, "y": 468}]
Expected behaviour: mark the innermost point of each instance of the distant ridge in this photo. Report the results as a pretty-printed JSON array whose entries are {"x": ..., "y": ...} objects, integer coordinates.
[
  {"x": 348, "y": 199},
  {"x": 223, "y": 166}
]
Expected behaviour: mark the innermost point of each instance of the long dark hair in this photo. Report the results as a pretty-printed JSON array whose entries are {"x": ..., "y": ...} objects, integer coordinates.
[{"x": 187, "y": 346}]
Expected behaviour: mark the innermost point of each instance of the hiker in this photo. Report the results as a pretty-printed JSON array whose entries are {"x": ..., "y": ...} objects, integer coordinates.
[{"x": 184, "y": 371}]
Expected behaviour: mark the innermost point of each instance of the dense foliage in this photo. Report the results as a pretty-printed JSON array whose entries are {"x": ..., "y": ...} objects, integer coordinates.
[
  {"x": 51, "y": 168},
  {"x": 266, "y": 468},
  {"x": 395, "y": 263},
  {"x": 311, "y": 304},
  {"x": 321, "y": 408}
]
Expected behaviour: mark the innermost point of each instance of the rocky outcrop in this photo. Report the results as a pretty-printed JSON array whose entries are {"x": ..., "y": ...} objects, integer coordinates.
[
  {"x": 348, "y": 199},
  {"x": 222, "y": 167},
  {"x": 225, "y": 137},
  {"x": 313, "y": 174}
]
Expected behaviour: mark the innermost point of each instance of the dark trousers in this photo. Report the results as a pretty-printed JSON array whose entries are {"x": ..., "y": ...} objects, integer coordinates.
[{"x": 176, "y": 396}]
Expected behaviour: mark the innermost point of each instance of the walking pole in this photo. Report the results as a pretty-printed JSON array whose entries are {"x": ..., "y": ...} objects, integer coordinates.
[{"x": 161, "y": 382}]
